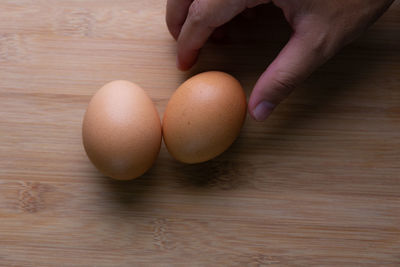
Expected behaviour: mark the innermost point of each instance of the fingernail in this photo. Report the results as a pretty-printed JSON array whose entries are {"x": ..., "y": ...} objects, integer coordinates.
[{"x": 263, "y": 110}]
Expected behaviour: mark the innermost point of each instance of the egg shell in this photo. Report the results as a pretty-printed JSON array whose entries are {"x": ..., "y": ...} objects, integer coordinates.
[
  {"x": 122, "y": 130},
  {"x": 204, "y": 117}
]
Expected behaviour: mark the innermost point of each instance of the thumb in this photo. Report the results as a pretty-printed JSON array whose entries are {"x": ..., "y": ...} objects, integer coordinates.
[{"x": 297, "y": 60}]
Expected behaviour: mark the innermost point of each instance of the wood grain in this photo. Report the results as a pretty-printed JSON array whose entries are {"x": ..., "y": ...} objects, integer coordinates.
[{"x": 317, "y": 184}]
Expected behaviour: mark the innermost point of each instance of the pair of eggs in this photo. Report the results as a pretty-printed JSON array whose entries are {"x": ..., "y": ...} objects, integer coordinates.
[{"x": 122, "y": 130}]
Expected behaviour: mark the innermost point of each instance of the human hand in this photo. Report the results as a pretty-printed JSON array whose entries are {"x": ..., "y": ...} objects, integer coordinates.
[{"x": 320, "y": 29}]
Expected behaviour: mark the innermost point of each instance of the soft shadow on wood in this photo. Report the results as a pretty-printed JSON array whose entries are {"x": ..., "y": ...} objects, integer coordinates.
[
  {"x": 130, "y": 192},
  {"x": 228, "y": 171}
]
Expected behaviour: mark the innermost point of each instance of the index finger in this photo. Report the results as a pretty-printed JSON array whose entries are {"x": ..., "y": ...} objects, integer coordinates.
[
  {"x": 177, "y": 11},
  {"x": 191, "y": 39},
  {"x": 202, "y": 19}
]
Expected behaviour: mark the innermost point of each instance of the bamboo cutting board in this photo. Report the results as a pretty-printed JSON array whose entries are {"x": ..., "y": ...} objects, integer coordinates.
[{"x": 317, "y": 184}]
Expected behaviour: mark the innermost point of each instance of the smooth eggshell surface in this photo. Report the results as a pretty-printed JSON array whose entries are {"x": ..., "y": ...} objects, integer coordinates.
[
  {"x": 204, "y": 117},
  {"x": 121, "y": 130}
]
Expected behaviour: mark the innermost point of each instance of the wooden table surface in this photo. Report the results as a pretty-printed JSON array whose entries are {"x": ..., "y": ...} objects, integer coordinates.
[{"x": 317, "y": 184}]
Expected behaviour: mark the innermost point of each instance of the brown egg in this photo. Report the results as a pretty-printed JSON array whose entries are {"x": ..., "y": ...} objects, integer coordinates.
[
  {"x": 121, "y": 130},
  {"x": 204, "y": 117}
]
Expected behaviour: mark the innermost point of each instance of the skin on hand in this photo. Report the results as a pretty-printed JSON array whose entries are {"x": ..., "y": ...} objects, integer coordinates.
[{"x": 320, "y": 29}]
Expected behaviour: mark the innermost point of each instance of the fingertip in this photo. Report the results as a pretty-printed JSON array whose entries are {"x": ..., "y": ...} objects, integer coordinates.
[
  {"x": 176, "y": 12},
  {"x": 262, "y": 110},
  {"x": 172, "y": 27},
  {"x": 174, "y": 31},
  {"x": 179, "y": 65},
  {"x": 183, "y": 65},
  {"x": 186, "y": 59}
]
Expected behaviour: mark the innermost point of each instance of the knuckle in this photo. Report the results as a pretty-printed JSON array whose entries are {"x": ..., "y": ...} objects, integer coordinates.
[
  {"x": 322, "y": 45},
  {"x": 322, "y": 41},
  {"x": 283, "y": 85}
]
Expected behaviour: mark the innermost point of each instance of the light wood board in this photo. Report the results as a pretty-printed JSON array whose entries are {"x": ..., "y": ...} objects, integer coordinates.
[{"x": 317, "y": 184}]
